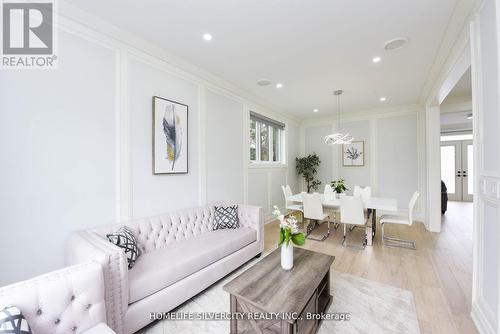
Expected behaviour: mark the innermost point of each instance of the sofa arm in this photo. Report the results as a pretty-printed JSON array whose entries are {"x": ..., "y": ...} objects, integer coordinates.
[
  {"x": 86, "y": 245},
  {"x": 253, "y": 216},
  {"x": 69, "y": 300}
]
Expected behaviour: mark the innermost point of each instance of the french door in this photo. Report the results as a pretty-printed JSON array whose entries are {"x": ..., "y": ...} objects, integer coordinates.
[{"x": 457, "y": 169}]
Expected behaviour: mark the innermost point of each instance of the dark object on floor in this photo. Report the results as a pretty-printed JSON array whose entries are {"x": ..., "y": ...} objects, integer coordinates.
[{"x": 444, "y": 198}]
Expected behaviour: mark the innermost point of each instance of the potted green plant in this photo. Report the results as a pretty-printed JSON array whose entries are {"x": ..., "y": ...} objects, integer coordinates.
[
  {"x": 307, "y": 168},
  {"x": 339, "y": 186},
  {"x": 289, "y": 231}
]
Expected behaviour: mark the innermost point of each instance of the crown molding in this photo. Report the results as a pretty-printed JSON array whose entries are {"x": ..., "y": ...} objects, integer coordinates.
[
  {"x": 368, "y": 114},
  {"x": 455, "y": 40},
  {"x": 70, "y": 15}
]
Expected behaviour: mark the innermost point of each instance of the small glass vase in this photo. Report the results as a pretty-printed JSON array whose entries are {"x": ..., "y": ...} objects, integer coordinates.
[{"x": 287, "y": 256}]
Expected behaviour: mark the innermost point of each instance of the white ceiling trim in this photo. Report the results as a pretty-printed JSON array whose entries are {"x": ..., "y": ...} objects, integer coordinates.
[
  {"x": 73, "y": 16},
  {"x": 455, "y": 41},
  {"x": 366, "y": 115}
]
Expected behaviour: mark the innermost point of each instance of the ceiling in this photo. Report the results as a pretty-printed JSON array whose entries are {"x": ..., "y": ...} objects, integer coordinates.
[
  {"x": 463, "y": 88},
  {"x": 313, "y": 47},
  {"x": 455, "y": 121}
]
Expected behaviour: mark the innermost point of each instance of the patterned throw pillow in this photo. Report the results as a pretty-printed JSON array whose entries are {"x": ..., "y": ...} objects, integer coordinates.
[
  {"x": 12, "y": 321},
  {"x": 125, "y": 239},
  {"x": 226, "y": 217}
]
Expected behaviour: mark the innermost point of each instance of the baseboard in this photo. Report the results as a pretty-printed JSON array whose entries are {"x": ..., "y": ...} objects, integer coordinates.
[{"x": 483, "y": 317}]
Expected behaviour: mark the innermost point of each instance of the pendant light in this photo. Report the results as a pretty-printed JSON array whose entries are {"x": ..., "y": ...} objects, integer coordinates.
[{"x": 338, "y": 138}]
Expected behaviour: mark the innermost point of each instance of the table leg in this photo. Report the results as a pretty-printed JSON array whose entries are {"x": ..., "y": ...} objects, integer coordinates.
[
  {"x": 233, "y": 321},
  {"x": 373, "y": 229},
  {"x": 286, "y": 328}
]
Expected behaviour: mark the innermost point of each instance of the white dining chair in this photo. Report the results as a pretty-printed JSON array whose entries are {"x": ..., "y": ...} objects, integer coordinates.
[
  {"x": 313, "y": 210},
  {"x": 364, "y": 192},
  {"x": 404, "y": 218},
  {"x": 290, "y": 205},
  {"x": 366, "y": 195},
  {"x": 352, "y": 213},
  {"x": 329, "y": 190}
]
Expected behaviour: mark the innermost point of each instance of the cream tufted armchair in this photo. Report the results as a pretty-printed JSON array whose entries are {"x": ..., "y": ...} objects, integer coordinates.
[
  {"x": 181, "y": 256},
  {"x": 70, "y": 300}
]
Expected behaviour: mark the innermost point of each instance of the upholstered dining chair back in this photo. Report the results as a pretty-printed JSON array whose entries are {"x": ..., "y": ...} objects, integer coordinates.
[
  {"x": 287, "y": 192},
  {"x": 313, "y": 209},
  {"x": 352, "y": 210},
  {"x": 328, "y": 190},
  {"x": 364, "y": 192}
]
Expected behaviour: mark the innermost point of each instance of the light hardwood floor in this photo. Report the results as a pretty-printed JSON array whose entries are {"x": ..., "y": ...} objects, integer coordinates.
[{"x": 439, "y": 272}]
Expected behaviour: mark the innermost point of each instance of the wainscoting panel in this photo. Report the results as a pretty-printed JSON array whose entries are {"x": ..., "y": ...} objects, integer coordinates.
[
  {"x": 224, "y": 140},
  {"x": 258, "y": 188},
  {"x": 155, "y": 194}
]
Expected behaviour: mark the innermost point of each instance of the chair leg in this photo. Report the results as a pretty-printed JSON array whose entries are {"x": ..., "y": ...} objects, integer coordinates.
[
  {"x": 344, "y": 240},
  {"x": 335, "y": 224},
  {"x": 322, "y": 238},
  {"x": 396, "y": 242}
]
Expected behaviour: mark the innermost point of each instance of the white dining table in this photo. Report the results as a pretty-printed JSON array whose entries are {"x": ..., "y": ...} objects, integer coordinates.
[{"x": 375, "y": 203}]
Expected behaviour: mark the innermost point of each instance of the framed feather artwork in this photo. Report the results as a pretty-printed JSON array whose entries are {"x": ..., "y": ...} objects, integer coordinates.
[
  {"x": 354, "y": 154},
  {"x": 170, "y": 137}
]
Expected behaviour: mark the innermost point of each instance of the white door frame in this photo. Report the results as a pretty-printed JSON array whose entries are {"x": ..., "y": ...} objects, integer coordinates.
[{"x": 433, "y": 135}]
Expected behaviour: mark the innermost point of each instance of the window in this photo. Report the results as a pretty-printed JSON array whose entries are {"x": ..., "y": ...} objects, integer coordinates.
[{"x": 266, "y": 138}]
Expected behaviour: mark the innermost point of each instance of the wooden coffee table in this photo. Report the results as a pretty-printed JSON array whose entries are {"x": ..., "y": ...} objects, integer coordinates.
[{"x": 266, "y": 299}]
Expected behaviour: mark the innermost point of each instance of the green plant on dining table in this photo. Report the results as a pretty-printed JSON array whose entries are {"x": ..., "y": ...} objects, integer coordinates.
[{"x": 339, "y": 186}]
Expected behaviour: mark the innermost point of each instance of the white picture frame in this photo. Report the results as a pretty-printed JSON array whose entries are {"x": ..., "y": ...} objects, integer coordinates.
[{"x": 353, "y": 154}]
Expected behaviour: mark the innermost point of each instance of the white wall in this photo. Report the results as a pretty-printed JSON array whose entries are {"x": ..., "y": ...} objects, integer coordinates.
[
  {"x": 357, "y": 175},
  {"x": 485, "y": 42},
  {"x": 392, "y": 147},
  {"x": 224, "y": 141},
  {"x": 57, "y": 148},
  {"x": 397, "y": 156},
  {"x": 314, "y": 143},
  {"x": 76, "y": 144},
  {"x": 154, "y": 194},
  {"x": 264, "y": 182}
]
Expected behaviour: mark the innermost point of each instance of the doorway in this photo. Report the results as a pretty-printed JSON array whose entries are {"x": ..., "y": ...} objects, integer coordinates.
[{"x": 457, "y": 167}]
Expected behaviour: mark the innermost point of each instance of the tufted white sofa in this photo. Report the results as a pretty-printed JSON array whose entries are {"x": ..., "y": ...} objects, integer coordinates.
[
  {"x": 181, "y": 256},
  {"x": 70, "y": 300}
]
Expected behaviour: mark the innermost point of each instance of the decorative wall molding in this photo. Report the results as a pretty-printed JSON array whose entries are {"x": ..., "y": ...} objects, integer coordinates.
[
  {"x": 129, "y": 47},
  {"x": 106, "y": 31},
  {"x": 373, "y": 156},
  {"x": 486, "y": 185},
  {"x": 482, "y": 317},
  {"x": 373, "y": 117},
  {"x": 451, "y": 47}
]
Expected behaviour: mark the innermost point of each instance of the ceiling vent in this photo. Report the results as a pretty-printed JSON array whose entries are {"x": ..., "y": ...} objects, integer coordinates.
[
  {"x": 396, "y": 43},
  {"x": 264, "y": 82}
]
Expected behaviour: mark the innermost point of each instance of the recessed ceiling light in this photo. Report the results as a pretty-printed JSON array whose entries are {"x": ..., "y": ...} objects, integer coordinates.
[
  {"x": 396, "y": 43},
  {"x": 469, "y": 116},
  {"x": 264, "y": 82},
  {"x": 383, "y": 99},
  {"x": 279, "y": 85},
  {"x": 315, "y": 110},
  {"x": 376, "y": 59},
  {"x": 207, "y": 37}
]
